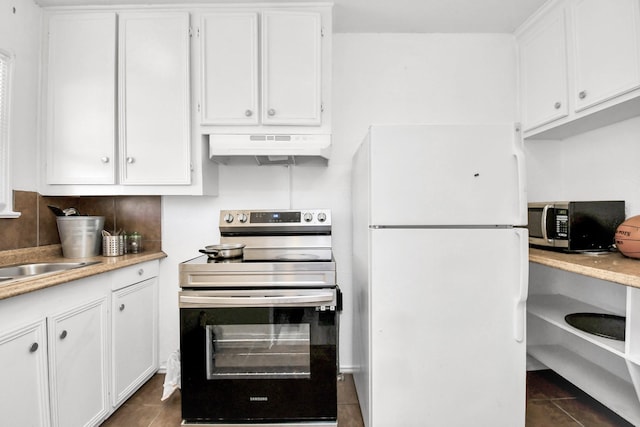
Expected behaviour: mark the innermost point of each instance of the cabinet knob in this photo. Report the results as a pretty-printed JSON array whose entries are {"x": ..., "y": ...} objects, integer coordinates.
[
  {"x": 582, "y": 94},
  {"x": 130, "y": 160},
  {"x": 557, "y": 105},
  {"x": 271, "y": 112},
  {"x": 104, "y": 159},
  {"x": 63, "y": 335},
  {"x": 248, "y": 113},
  {"x": 33, "y": 348},
  {"x": 141, "y": 272},
  {"x": 121, "y": 307}
]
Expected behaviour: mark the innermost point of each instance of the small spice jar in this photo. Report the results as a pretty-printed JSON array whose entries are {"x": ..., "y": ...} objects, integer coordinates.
[{"x": 134, "y": 243}]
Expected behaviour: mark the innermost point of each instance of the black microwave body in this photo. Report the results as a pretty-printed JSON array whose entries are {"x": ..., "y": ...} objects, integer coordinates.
[{"x": 575, "y": 226}]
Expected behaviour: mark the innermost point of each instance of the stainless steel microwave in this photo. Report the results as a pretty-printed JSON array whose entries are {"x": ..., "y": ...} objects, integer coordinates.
[{"x": 575, "y": 226}]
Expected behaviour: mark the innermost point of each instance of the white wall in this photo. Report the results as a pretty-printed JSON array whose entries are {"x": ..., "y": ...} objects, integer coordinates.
[
  {"x": 20, "y": 35},
  {"x": 599, "y": 165},
  {"x": 397, "y": 78}
]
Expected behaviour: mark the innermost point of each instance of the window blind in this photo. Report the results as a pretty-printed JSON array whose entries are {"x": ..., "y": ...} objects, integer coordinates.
[
  {"x": 6, "y": 202},
  {"x": 4, "y": 99}
]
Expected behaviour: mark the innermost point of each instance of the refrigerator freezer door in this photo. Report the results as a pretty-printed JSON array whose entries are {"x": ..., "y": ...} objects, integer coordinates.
[
  {"x": 446, "y": 175},
  {"x": 444, "y": 347}
]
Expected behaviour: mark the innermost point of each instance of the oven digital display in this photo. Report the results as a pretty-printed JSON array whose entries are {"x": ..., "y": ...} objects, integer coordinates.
[{"x": 274, "y": 217}]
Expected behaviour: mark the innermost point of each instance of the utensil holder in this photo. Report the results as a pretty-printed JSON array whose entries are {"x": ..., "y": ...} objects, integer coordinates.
[{"x": 112, "y": 245}]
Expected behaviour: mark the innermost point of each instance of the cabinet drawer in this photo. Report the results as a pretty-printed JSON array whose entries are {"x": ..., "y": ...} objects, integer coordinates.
[{"x": 133, "y": 274}]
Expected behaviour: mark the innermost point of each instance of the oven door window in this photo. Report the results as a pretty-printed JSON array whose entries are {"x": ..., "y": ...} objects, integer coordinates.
[{"x": 274, "y": 350}]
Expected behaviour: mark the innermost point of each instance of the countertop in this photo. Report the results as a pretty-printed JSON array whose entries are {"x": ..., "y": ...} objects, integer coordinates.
[
  {"x": 611, "y": 266},
  {"x": 53, "y": 253}
]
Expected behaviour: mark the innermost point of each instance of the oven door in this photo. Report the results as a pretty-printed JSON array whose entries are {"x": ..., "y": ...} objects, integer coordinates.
[{"x": 259, "y": 356}]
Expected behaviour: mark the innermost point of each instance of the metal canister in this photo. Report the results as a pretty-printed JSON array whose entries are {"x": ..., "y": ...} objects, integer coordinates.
[{"x": 134, "y": 243}]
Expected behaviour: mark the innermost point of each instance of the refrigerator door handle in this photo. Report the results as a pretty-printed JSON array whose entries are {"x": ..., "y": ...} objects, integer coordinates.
[
  {"x": 518, "y": 153},
  {"x": 520, "y": 309}
]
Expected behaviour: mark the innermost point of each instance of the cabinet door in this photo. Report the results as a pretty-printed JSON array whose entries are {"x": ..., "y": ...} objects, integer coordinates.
[
  {"x": 607, "y": 58},
  {"x": 543, "y": 71},
  {"x": 291, "y": 68},
  {"x": 229, "y": 51},
  {"x": 134, "y": 337},
  {"x": 78, "y": 365},
  {"x": 24, "y": 395},
  {"x": 80, "y": 99},
  {"x": 154, "y": 98}
]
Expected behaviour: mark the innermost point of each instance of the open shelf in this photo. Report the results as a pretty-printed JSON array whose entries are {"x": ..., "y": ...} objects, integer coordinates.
[
  {"x": 616, "y": 393},
  {"x": 553, "y": 309},
  {"x": 606, "y": 369}
]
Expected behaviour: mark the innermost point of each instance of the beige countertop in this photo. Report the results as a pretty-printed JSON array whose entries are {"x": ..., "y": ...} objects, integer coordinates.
[
  {"x": 611, "y": 266},
  {"x": 53, "y": 253}
]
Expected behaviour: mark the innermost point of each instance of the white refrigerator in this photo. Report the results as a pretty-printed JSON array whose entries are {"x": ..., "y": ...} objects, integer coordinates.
[{"x": 440, "y": 276}]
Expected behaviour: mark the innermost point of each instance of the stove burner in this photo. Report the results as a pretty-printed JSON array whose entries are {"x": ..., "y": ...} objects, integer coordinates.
[{"x": 224, "y": 261}]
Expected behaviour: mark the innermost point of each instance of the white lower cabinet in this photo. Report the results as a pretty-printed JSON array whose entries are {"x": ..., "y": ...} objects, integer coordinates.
[
  {"x": 65, "y": 349},
  {"x": 134, "y": 340},
  {"x": 24, "y": 400},
  {"x": 78, "y": 364}
]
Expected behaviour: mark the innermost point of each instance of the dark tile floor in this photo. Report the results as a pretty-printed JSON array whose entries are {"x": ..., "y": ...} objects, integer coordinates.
[{"x": 551, "y": 402}]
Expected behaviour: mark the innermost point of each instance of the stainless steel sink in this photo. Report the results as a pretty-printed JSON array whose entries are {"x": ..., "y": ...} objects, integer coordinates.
[{"x": 35, "y": 269}]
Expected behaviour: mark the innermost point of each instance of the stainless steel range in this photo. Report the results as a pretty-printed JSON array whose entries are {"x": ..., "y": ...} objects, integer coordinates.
[{"x": 259, "y": 323}]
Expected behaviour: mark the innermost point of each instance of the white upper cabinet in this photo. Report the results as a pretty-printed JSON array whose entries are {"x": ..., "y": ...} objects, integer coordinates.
[
  {"x": 578, "y": 60},
  {"x": 230, "y": 64},
  {"x": 543, "y": 76},
  {"x": 116, "y": 107},
  {"x": 80, "y": 102},
  {"x": 154, "y": 98},
  {"x": 606, "y": 51},
  {"x": 291, "y": 68},
  {"x": 264, "y": 69}
]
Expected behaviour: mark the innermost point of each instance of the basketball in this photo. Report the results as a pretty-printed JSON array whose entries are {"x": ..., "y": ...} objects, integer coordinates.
[{"x": 628, "y": 237}]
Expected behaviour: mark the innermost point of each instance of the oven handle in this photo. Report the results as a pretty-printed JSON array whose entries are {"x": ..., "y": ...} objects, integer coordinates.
[{"x": 258, "y": 301}]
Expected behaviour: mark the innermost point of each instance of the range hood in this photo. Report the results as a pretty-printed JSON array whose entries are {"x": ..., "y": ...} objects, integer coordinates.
[{"x": 270, "y": 149}]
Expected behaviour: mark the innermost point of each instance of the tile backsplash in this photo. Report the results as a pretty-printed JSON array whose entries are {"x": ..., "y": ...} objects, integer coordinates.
[{"x": 36, "y": 225}]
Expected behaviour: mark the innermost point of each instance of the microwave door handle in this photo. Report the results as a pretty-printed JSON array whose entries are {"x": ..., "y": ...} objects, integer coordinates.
[
  {"x": 543, "y": 223},
  {"x": 259, "y": 301}
]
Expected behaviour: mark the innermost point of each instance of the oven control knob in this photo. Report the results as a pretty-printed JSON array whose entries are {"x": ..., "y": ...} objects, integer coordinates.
[
  {"x": 322, "y": 217},
  {"x": 307, "y": 217},
  {"x": 228, "y": 218},
  {"x": 242, "y": 217}
]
